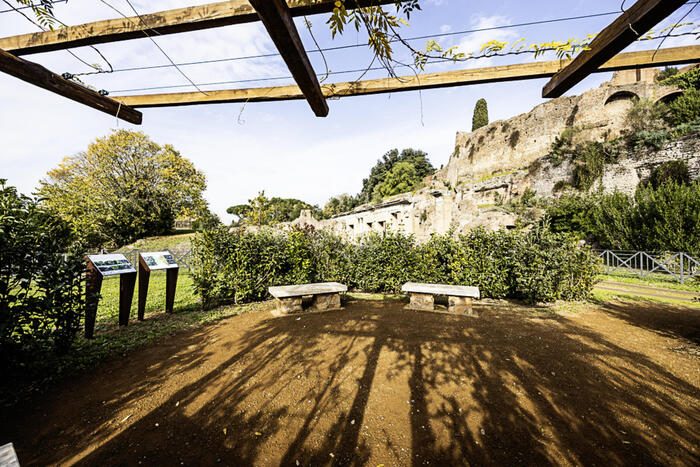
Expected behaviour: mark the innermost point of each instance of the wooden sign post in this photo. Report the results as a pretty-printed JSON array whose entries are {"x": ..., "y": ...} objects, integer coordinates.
[
  {"x": 156, "y": 261},
  {"x": 99, "y": 266}
]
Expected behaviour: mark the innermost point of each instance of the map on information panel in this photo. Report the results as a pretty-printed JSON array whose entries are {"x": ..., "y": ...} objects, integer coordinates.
[
  {"x": 159, "y": 260},
  {"x": 110, "y": 265}
]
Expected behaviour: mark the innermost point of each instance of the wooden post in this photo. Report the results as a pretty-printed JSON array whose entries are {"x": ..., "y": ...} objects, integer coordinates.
[
  {"x": 170, "y": 286},
  {"x": 93, "y": 286},
  {"x": 127, "y": 284},
  {"x": 144, "y": 278}
]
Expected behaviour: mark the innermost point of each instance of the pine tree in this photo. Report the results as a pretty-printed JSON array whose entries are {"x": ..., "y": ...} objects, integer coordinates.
[{"x": 481, "y": 115}]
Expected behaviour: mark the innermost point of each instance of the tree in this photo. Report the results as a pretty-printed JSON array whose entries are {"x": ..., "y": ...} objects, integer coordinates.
[
  {"x": 417, "y": 158},
  {"x": 403, "y": 177},
  {"x": 340, "y": 204},
  {"x": 262, "y": 210},
  {"x": 124, "y": 187},
  {"x": 481, "y": 115}
]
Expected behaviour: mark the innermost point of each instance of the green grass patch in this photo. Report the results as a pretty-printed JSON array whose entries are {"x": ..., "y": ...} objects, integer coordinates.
[
  {"x": 601, "y": 297},
  {"x": 657, "y": 280},
  {"x": 174, "y": 243}
]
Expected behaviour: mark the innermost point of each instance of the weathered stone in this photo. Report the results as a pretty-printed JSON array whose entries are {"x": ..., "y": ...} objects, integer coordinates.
[
  {"x": 283, "y": 291},
  {"x": 326, "y": 302},
  {"x": 460, "y": 305},
  {"x": 421, "y": 301},
  {"x": 287, "y": 305},
  {"x": 502, "y": 160},
  {"x": 441, "y": 289}
]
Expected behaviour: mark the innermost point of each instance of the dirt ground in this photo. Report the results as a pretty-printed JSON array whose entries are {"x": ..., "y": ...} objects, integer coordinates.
[{"x": 375, "y": 384}]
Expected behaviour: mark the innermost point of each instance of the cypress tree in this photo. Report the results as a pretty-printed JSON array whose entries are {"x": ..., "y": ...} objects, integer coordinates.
[{"x": 481, "y": 114}]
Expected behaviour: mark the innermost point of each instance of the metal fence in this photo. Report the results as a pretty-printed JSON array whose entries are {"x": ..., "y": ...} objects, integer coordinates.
[
  {"x": 182, "y": 260},
  {"x": 679, "y": 266}
]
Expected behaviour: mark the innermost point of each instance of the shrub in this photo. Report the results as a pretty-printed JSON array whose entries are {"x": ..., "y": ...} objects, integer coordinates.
[
  {"x": 240, "y": 266},
  {"x": 590, "y": 160},
  {"x": 688, "y": 80},
  {"x": 666, "y": 73},
  {"x": 41, "y": 294},
  {"x": 686, "y": 108},
  {"x": 657, "y": 218},
  {"x": 671, "y": 171},
  {"x": 645, "y": 115},
  {"x": 652, "y": 139}
]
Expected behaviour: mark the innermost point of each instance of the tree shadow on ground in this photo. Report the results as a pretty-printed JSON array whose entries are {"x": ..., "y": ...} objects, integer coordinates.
[{"x": 376, "y": 383}]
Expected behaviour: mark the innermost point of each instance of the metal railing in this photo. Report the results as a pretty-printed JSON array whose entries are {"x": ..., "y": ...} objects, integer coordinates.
[{"x": 679, "y": 266}]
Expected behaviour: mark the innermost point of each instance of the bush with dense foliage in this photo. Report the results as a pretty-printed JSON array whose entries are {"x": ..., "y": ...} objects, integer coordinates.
[
  {"x": 663, "y": 215},
  {"x": 535, "y": 266},
  {"x": 688, "y": 80},
  {"x": 41, "y": 270},
  {"x": 685, "y": 108}
]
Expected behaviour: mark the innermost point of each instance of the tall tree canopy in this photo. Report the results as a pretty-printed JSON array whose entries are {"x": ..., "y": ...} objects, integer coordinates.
[
  {"x": 416, "y": 158},
  {"x": 481, "y": 114},
  {"x": 124, "y": 187},
  {"x": 262, "y": 210}
]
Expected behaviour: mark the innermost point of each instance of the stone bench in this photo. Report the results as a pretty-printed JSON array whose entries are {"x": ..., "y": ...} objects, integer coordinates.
[
  {"x": 8, "y": 458},
  {"x": 459, "y": 297},
  {"x": 326, "y": 297}
]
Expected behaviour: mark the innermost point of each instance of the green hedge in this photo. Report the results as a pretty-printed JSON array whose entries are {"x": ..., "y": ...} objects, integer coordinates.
[
  {"x": 41, "y": 293},
  {"x": 535, "y": 266}
]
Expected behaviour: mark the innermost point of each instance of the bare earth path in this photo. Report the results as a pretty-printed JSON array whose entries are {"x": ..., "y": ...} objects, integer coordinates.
[{"x": 373, "y": 384}]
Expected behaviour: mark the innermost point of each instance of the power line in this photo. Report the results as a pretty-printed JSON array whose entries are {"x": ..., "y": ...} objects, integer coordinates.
[
  {"x": 153, "y": 40},
  {"x": 352, "y": 46},
  {"x": 363, "y": 70},
  {"x": 10, "y": 10}
]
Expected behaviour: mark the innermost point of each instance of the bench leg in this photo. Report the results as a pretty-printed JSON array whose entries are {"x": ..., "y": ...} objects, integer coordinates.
[
  {"x": 460, "y": 305},
  {"x": 326, "y": 302},
  {"x": 288, "y": 305},
  {"x": 422, "y": 301}
]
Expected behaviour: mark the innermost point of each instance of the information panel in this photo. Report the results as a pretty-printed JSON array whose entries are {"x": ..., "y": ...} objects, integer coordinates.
[
  {"x": 111, "y": 265},
  {"x": 159, "y": 260}
]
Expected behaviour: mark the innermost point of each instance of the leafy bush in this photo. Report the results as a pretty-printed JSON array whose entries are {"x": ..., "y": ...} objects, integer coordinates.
[
  {"x": 663, "y": 215},
  {"x": 646, "y": 115},
  {"x": 666, "y": 73},
  {"x": 688, "y": 80},
  {"x": 686, "y": 108},
  {"x": 536, "y": 266},
  {"x": 651, "y": 139},
  {"x": 671, "y": 171},
  {"x": 41, "y": 294}
]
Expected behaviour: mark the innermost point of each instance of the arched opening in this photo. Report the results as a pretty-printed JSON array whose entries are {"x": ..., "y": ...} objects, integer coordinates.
[
  {"x": 670, "y": 97},
  {"x": 621, "y": 96}
]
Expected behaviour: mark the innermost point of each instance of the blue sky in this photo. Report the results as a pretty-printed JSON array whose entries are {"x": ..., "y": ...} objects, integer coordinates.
[{"x": 281, "y": 147}]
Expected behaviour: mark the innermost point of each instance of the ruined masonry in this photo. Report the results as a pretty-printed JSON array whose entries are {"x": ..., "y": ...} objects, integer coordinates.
[{"x": 503, "y": 159}]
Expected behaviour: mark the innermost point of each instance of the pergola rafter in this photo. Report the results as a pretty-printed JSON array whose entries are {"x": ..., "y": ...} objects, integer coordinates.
[
  {"x": 627, "y": 28},
  {"x": 37, "y": 75},
  {"x": 277, "y": 16},
  {"x": 524, "y": 71},
  {"x": 193, "y": 18}
]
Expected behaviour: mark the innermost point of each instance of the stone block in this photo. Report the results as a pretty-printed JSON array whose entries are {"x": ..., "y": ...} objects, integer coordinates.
[
  {"x": 326, "y": 302},
  {"x": 288, "y": 305},
  {"x": 422, "y": 301},
  {"x": 460, "y": 305}
]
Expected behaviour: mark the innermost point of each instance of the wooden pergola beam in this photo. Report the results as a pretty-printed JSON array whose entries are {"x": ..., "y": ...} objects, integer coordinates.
[
  {"x": 37, "y": 75},
  {"x": 278, "y": 21},
  {"x": 626, "y": 29},
  {"x": 194, "y": 18},
  {"x": 625, "y": 61}
]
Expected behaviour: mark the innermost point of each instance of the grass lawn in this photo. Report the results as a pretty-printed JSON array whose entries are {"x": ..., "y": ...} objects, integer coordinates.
[
  {"x": 178, "y": 243},
  {"x": 691, "y": 285}
]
